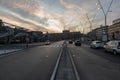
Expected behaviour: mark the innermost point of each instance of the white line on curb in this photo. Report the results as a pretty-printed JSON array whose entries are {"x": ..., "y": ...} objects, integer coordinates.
[
  {"x": 76, "y": 73},
  {"x": 56, "y": 66}
]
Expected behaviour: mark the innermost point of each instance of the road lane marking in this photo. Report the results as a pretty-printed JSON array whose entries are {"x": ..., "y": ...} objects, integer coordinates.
[
  {"x": 56, "y": 66},
  {"x": 74, "y": 67},
  {"x": 55, "y": 75}
]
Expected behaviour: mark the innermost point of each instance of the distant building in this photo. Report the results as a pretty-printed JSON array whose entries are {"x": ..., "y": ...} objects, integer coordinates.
[
  {"x": 54, "y": 36},
  {"x": 66, "y": 35},
  {"x": 35, "y": 36},
  {"x": 66, "y": 31},
  {"x": 98, "y": 33},
  {"x": 71, "y": 35},
  {"x": 114, "y": 30},
  {"x": 93, "y": 34}
]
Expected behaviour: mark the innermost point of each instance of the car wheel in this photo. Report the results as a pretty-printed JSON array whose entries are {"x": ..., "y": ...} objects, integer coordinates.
[{"x": 114, "y": 52}]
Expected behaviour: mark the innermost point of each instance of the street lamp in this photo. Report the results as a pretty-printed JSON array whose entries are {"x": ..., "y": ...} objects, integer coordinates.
[
  {"x": 105, "y": 33},
  {"x": 105, "y": 13}
]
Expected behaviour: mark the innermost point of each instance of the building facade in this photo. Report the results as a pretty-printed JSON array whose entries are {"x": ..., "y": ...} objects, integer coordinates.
[
  {"x": 114, "y": 30},
  {"x": 65, "y": 35},
  {"x": 99, "y": 33}
]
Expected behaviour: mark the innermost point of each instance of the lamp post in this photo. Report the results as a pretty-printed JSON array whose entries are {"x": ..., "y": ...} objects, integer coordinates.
[
  {"x": 105, "y": 33},
  {"x": 105, "y": 13}
]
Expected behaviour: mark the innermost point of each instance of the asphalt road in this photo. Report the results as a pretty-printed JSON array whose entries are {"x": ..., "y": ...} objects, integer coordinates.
[
  {"x": 95, "y": 64},
  {"x": 35, "y": 63}
]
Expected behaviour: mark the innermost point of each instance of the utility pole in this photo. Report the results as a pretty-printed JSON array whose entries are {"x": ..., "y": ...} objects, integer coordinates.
[
  {"x": 105, "y": 31},
  {"x": 103, "y": 10}
]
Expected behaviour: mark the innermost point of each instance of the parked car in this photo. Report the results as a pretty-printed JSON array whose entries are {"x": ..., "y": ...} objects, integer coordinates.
[
  {"x": 77, "y": 43},
  {"x": 112, "y": 46},
  {"x": 70, "y": 41},
  {"x": 47, "y": 42},
  {"x": 96, "y": 44}
]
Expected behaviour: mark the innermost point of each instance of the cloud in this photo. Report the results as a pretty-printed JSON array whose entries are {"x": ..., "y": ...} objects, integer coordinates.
[
  {"x": 53, "y": 15},
  {"x": 26, "y": 15}
]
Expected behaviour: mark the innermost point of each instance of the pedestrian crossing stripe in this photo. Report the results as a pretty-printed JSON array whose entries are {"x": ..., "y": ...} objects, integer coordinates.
[{"x": 52, "y": 46}]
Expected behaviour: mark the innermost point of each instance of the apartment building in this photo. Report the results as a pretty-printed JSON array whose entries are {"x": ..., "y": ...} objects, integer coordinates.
[{"x": 114, "y": 30}]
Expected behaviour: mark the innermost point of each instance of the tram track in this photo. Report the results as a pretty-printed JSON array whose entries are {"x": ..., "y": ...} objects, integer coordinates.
[{"x": 65, "y": 68}]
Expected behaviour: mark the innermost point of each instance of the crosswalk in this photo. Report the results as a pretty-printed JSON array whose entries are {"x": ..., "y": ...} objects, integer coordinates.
[{"x": 56, "y": 45}]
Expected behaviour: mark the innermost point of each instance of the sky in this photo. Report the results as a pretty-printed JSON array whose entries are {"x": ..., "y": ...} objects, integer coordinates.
[{"x": 56, "y": 15}]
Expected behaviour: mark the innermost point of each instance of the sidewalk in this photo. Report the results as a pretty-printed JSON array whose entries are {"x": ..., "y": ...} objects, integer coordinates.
[
  {"x": 8, "y": 51},
  {"x": 5, "y": 49}
]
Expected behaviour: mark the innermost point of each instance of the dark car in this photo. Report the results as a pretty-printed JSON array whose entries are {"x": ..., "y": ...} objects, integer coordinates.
[
  {"x": 77, "y": 43},
  {"x": 70, "y": 41}
]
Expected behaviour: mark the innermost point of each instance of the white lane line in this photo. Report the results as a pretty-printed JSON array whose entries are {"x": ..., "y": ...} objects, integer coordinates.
[
  {"x": 56, "y": 66},
  {"x": 74, "y": 67}
]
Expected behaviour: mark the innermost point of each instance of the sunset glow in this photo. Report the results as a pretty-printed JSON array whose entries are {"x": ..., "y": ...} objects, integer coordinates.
[{"x": 47, "y": 15}]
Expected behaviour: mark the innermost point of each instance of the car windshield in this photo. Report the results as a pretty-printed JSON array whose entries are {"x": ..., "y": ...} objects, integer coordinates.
[{"x": 59, "y": 39}]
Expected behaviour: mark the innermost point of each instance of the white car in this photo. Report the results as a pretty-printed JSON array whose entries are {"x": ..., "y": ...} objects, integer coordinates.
[
  {"x": 47, "y": 42},
  {"x": 96, "y": 44},
  {"x": 112, "y": 46}
]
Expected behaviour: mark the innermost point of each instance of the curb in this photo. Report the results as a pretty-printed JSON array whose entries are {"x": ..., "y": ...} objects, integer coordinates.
[
  {"x": 74, "y": 67},
  {"x": 56, "y": 66}
]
